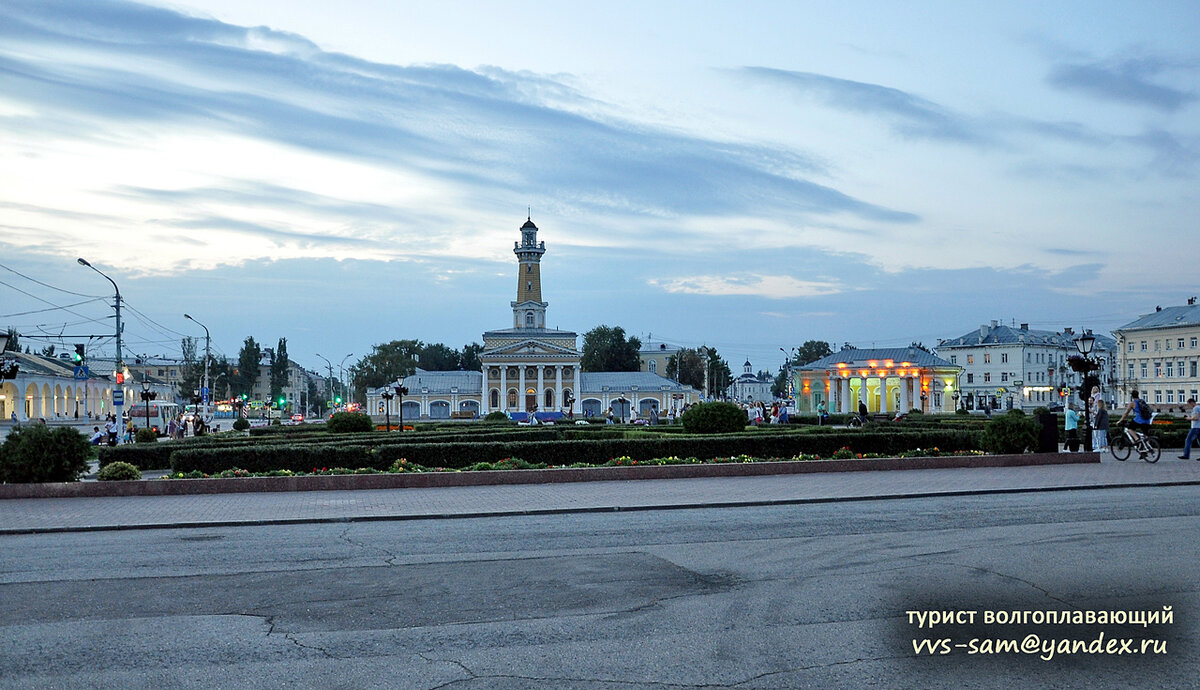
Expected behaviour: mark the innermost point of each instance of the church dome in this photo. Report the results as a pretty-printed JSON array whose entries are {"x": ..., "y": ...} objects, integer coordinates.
[{"x": 529, "y": 225}]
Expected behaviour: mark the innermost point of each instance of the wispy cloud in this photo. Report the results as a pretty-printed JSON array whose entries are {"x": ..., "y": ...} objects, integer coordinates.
[
  {"x": 1130, "y": 81},
  {"x": 773, "y": 287},
  {"x": 121, "y": 65}
]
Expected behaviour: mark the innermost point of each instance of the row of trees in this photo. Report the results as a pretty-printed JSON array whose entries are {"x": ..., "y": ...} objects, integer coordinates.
[
  {"x": 394, "y": 360},
  {"x": 238, "y": 378}
]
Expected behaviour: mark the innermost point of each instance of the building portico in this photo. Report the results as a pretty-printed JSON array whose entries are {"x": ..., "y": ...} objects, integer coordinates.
[{"x": 886, "y": 380}]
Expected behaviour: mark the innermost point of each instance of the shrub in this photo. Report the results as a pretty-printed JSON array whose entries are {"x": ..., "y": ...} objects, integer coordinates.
[
  {"x": 276, "y": 422},
  {"x": 714, "y": 418},
  {"x": 346, "y": 422},
  {"x": 241, "y": 424},
  {"x": 118, "y": 471},
  {"x": 145, "y": 436},
  {"x": 496, "y": 416},
  {"x": 962, "y": 410},
  {"x": 37, "y": 453},
  {"x": 1010, "y": 433}
]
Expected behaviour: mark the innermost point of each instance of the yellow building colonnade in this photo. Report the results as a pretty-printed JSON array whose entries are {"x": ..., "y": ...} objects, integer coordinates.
[{"x": 887, "y": 380}]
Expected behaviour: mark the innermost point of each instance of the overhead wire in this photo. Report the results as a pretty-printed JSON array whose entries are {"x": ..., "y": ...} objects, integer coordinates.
[{"x": 52, "y": 287}]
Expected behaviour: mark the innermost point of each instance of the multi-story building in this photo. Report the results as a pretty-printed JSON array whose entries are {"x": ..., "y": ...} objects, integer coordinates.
[
  {"x": 749, "y": 388},
  {"x": 294, "y": 389},
  {"x": 655, "y": 356},
  {"x": 1159, "y": 355},
  {"x": 1010, "y": 367}
]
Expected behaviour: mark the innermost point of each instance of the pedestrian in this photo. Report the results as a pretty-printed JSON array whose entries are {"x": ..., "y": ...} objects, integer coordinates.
[
  {"x": 608, "y": 416},
  {"x": 1071, "y": 425},
  {"x": 1194, "y": 432},
  {"x": 822, "y": 413},
  {"x": 97, "y": 437},
  {"x": 110, "y": 429},
  {"x": 1100, "y": 427},
  {"x": 783, "y": 414},
  {"x": 862, "y": 411}
]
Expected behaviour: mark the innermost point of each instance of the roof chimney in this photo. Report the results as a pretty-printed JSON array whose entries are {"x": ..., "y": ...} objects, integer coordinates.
[
  {"x": 982, "y": 331},
  {"x": 1024, "y": 326},
  {"x": 1158, "y": 309},
  {"x": 1191, "y": 301},
  {"x": 1068, "y": 331},
  {"x": 994, "y": 323}
]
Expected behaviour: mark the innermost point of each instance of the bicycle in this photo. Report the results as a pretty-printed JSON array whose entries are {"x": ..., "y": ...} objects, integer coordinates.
[{"x": 1146, "y": 445}]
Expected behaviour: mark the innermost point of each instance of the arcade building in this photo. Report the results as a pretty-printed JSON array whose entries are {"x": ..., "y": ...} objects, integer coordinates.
[
  {"x": 888, "y": 380},
  {"x": 528, "y": 368}
]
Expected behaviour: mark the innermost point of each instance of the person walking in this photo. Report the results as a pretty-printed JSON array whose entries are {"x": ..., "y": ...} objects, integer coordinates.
[
  {"x": 1193, "y": 433},
  {"x": 1071, "y": 426},
  {"x": 1100, "y": 427},
  {"x": 822, "y": 414}
]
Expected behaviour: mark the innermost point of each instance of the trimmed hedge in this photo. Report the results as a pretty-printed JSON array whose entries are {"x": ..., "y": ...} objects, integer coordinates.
[{"x": 305, "y": 457}]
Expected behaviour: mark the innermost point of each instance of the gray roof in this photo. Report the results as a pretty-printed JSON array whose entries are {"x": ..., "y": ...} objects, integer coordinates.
[
  {"x": 857, "y": 357},
  {"x": 1186, "y": 315},
  {"x": 595, "y": 381},
  {"x": 1007, "y": 335},
  {"x": 467, "y": 382},
  {"x": 655, "y": 346}
]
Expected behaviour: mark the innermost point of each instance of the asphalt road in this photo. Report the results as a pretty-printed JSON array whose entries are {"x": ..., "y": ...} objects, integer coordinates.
[{"x": 776, "y": 597}]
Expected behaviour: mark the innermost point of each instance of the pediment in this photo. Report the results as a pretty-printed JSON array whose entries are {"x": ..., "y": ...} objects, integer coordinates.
[{"x": 528, "y": 348}]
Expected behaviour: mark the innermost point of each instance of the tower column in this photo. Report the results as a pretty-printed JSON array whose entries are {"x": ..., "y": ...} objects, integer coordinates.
[
  {"x": 521, "y": 390},
  {"x": 541, "y": 395},
  {"x": 558, "y": 387}
]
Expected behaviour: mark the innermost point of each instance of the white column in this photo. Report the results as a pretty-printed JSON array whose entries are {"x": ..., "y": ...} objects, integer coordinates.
[
  {"x": 905, "y": 394},
  {"x": 844, "y": 402},
  {"x": 558, "y": 391},
  {"x": 521, "y": 390},
  {"x": 885, "y": 398},
  {"x": 504, "y": 388},
  {"x": 541, "y": 394}
]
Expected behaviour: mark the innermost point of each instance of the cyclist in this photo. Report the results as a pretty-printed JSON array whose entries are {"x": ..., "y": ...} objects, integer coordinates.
[{"x": 1140, "y": 425}]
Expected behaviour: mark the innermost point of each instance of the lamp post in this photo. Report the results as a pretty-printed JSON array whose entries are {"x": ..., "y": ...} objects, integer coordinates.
[
  {"x": 387, "y": 396},
  {"x": 956, "y": 396},
  {"x": 117, "y": 307},
  {"x": 328, "y": 381},
  {"x": 342, "y": 375},
  {"x": 1084, "y": 344},
  {"x": 401, "y": 391},
  {"x": 146, "y": 396},
  {"x": 206, "y": 391}
]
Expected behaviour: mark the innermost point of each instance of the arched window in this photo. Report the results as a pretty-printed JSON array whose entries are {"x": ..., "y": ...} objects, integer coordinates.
[
  {"x": 529, "y": 319},
  {"x": 495, "y": 404},
  {"x": 654, "y": 366},
  {"x": 549, "y": 396},
  {"x": 512, "y": 398}
]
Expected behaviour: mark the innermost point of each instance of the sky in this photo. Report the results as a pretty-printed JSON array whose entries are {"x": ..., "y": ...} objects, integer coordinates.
[{"x": 747, "y": 175}]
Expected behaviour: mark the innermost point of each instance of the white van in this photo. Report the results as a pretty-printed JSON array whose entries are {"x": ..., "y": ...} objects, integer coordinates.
[{"x": 160, "y": 414}]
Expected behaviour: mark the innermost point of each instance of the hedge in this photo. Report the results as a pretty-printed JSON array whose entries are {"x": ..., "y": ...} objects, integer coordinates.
[{"x": 304, "y": 457}]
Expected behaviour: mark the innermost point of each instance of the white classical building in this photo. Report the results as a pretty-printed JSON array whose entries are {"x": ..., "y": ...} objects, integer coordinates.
[
  {"x": 51, "y": 388},
  {"x": 749, "y": 388},
  {"x": 528, "y": 368},
  {"x": 1019, "y": 367}
]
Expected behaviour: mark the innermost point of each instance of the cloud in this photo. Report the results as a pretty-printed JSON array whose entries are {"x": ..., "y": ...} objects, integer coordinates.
[
  {"x": 1127, "y": 81},
  {"x": 912, "y": 116},
  {"x": 124, "y": 66},
  {"x": 773, "y": 287}
]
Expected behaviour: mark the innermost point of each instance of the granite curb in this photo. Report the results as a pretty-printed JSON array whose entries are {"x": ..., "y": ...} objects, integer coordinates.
[{"x": 179, "y": 487}]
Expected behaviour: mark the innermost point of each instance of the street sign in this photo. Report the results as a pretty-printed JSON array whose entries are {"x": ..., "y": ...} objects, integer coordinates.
[
  {"x": 204, "y": 394},
  {"x": 81, "y": 373},
  {"x": 118, "y": 397}
]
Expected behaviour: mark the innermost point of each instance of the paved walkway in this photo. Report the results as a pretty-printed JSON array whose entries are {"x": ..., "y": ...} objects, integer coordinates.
[{"x": 78, "y": 514}]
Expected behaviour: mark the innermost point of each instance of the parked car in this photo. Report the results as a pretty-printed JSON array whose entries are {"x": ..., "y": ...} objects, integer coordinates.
[{"x": 298, "y": 418}]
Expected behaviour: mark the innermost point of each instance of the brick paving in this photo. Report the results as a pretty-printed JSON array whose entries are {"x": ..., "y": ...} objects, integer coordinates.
[{"x": 71, "y": 514}]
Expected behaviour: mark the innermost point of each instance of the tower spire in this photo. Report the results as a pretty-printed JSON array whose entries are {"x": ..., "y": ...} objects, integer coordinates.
[{"x": 529, "y": 311}]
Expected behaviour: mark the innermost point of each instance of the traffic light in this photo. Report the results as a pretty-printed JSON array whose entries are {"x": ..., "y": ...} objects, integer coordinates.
[
  {"x": 338, "y": 400},
  {"x": 282, "y": 401},
  {"x": 78, "y": 356}
]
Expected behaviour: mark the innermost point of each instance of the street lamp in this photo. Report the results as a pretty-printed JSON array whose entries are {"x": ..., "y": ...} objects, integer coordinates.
[
  {"x": 956, "y": 396},
  {"x": 342, "y": 374},
  {"x": 387, "y": 396},
  {"x": 401, "y": 391},
  {"x": 1084, "y": 344},
  {"x": 147, "y": 395},
  {"x": 207, "y": 355},
  {"x": 328, "y": 381},
  {"x": 117, "y": 307}
]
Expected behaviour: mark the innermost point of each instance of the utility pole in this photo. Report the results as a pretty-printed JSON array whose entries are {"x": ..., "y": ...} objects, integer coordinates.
[
  {"x": 207, "y": 356},
  {"x": 328, "y": 382},
  {"x": 118, "y": 400}
]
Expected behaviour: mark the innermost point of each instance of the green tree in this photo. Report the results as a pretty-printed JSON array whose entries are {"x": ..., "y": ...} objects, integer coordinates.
[
  {"x": 48, "y": 351},
  {"x": 780, "y": 387},
  {"x": 192, "y": 371},
  {"x": 605, "y": 348},
  {"x": 439, "y": 357},
  {"x": 386, "y": 363},
  {"x": 688, "y": 367},
  {"x": 470, "y": 357},
  {"x": 811, "y": 351},
  {"x": 245, "y": 375},
  {"x": 14, "y": 340},
  {"x": 279, "y": 369}
]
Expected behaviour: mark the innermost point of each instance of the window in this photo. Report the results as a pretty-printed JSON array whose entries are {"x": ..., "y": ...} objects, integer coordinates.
[
  {"x": 1028, "y": 357},
  {"x": 1004, "y": 358},
  {"x": 529, "y": 319},
  {"x": 987, "y": 358},
  {"x": 970, "y": 359},
  {"x": 529, "y": 268},
  {"x": 954, "y": 359},
  {"x": 1192, "y": 343},
  {"x": 1131, "y": 347},
  {"x": 1180, "y": 343},
  {"x": 1131, "y": 370},
  {"x": 1168, "y": 342},
  {"x": 1143, "y": 346},
  {"x": 1144, "y": 374},
  {"x": 654, "y": 366},
  {"x": 987, "y": 377},
  {"x": 1158, "y": 397},
  {"x": 1158, "y": 370},
  {"x": 1170, "y": 369},
  {"x": 1170, "y": 396},
  {"x": 1193, "y": 370},
  {"x": 970, "y": 378},
  {"x": 495, "y": 399},
  {"x": 1004, "y": 376},
  {"x": 1157, "y": 346}
]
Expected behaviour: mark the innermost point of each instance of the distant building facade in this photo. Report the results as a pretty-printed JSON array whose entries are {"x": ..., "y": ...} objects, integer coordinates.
[
  {"x": 1159, "y": 356},
  {"x": 1006, "y": 367},
  {"x": 886, "y": 380},
  {"x": 749, "y": 388}
]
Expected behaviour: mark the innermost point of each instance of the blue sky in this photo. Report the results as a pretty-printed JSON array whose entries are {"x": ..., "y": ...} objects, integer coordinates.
[{"x": 749, "y": 175}]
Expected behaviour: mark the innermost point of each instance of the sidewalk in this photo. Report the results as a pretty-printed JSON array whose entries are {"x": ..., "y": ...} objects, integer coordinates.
[{"x": 34, "y": 515}]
